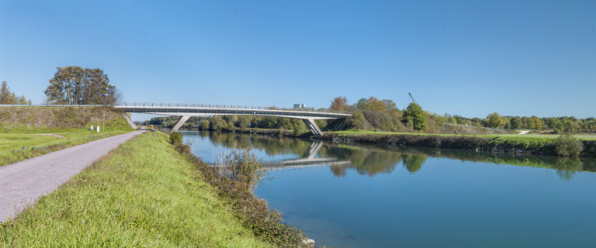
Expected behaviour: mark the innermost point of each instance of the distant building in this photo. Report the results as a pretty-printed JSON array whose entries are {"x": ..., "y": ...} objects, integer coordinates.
[{"x": 299, "y": 106}]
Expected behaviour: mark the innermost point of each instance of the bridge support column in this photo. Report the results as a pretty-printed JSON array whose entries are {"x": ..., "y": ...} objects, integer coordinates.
[
  {"x": 127, "y": 118},
  {"x": 180, "y": 122},
  {"x": 314, "y": 129},
  {"x": 340, "y": 124}
]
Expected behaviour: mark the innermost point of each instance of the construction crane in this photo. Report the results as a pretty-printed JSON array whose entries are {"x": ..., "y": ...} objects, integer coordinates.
[{"x": 412, "y": 98}]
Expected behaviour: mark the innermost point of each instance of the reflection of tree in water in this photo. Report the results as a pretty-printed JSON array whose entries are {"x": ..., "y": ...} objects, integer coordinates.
[
  {"x": 364, "y": 161},
  {"x": 271, "y": 146},
  {"x": 413, "y": 162},
  {"x": 338, "y": 170},
  {"x": 374, "y": 159},
  {"x": 567, "y": 167}
]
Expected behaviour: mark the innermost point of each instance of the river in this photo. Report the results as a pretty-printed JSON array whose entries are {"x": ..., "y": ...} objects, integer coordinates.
[{"x": 374, "y": 196}]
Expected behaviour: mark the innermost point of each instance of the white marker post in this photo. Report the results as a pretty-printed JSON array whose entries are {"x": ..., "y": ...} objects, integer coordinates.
[
  {"x": 98, "y": 129},
  {"x": 91, "y": 129}
]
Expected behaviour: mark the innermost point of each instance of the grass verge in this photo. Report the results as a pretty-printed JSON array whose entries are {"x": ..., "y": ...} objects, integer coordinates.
[
  {"x": 143, "y": 194},
  {"x": 21, "y": 144},
  {"x": 508, "y": 136},
  {"x": 499, "y": 144}
]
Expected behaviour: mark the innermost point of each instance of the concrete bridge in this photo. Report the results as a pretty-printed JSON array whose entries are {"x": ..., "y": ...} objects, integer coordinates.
[{"x": 185, "y": 111}]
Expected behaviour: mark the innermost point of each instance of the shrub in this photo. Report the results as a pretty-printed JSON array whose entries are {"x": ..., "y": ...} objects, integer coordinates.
[
  {"x": 297, "y": 130},
  {"x": 175, "y": 137},
  {"x": 566, "y": 145}
]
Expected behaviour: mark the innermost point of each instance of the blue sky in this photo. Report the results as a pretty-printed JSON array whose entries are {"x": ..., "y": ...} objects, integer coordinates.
[{"x": 469, "y": 58}]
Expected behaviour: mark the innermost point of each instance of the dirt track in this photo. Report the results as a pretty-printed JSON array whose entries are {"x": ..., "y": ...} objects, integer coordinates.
[{"x": 24, "y": 182}]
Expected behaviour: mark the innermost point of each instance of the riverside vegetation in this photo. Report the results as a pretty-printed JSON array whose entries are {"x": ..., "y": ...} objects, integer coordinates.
[
  {"x": 375, "y": 120},
  {"x": 144, "y": 193},
  {"x": 236, "y": 184},
  {"x": 374, "y": 158},
  {"x": 27, "y": 132}
]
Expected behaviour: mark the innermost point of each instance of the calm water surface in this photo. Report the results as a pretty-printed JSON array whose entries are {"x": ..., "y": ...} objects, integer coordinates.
[{"x": 370, "y": 196}]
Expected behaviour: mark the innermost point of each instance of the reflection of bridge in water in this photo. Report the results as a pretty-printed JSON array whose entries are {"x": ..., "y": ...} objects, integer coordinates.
[{"x": 307, "y": 160}]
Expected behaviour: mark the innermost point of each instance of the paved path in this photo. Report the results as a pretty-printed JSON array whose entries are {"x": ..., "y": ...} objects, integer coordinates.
[{"x": 22, "y": 183}]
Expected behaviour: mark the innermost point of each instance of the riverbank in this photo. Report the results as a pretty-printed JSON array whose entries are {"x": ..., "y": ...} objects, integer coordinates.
[
  {"x": 498, "y": 144},
  {"x": 505, "y": 143},
  {"x": 144, "y": 193}
]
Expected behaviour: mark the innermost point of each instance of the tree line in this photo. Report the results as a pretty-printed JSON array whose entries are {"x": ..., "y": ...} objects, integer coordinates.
[
  {"x": 7, "y": 97},
  {"x": 556, "y": 124},
  {"x": 375, "y": 114},
  {"x": 382, "y": 115}
]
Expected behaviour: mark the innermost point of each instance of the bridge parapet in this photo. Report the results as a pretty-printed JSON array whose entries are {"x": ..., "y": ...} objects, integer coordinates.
[{"x": 216, "y": 106}]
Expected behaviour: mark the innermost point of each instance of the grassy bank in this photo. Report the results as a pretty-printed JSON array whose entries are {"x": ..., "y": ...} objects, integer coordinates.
[
  {"x": 144, "y": 193},
  {"x": 498, "y": 144},
  {"x": 27, "y": 132},
  {"x": 18, "y": 144},
  {"x": 514, "y": 136}
]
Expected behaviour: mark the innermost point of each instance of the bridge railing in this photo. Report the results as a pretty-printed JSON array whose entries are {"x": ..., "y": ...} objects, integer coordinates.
[
  {"x": 243, "y": 107},
  {"x": 180, "y": 105},
  {"x": 52, "y": 105}
]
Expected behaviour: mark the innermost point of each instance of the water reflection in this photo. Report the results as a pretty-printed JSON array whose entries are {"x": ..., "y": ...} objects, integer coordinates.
[
  {"x": 374, "y": 159},
  {"x": 308, "y": 159},
  {"x": 413, "y": 162},
  {"x": 567, "y": 167},
  {"x": 398, "y": 196}
]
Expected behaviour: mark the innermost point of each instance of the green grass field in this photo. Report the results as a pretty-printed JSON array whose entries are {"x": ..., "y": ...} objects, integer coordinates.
[
  {"x": 143, "y": 194},
  {"x": 20, "y": 144}
]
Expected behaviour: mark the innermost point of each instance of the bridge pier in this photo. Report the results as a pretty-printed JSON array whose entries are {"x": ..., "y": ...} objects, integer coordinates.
[
  {"x": 127, "y": 118},
  {"x": 340, "y": 124},
  {"x": 180, "y": 122},
  {"x": 312, "y": 126}
]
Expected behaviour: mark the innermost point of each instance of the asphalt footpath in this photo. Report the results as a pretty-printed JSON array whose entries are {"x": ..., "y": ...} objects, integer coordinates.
[{"x": 24, "y": 182}]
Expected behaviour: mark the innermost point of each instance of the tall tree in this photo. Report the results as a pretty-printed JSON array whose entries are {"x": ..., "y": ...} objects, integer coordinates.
[
  {"x": 7, "y": 97},
  {"x": 495, "y": 121},
  {"x": 339, "y": 103},
  {"x": 375, "y": 104},
  {"x": 5, "y": 94},
  {"x": 391, "y": 106},
  {"x": 75, "y": 85},
  {"x": 415, "y": 115},
  {"x": 516, "y": 122},
  {"x": 361, "y": 104},
  {"x": 537, "y": 123},
  {"x": 22, "y": 100}
]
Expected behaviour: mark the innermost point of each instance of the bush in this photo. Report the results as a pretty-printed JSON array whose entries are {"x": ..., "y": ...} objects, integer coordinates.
[
  {"x": 297, "y": 130},
  {"x": 567, "y": 146},
  {"x": 175, "y": 137}
]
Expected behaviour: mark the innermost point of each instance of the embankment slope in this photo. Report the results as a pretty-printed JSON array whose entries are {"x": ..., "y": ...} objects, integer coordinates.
[{"x": 144, "y": 193}]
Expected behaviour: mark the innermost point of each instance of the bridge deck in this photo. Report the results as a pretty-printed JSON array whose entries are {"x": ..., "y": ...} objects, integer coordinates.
[{"x": 202, "y": 110}]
